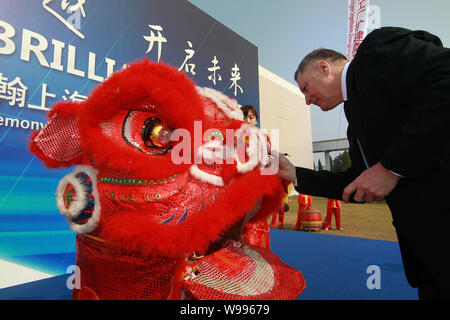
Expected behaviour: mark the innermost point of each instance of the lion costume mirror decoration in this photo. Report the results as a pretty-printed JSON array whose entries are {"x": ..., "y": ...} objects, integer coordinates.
[{"x": 158, "y": 214}]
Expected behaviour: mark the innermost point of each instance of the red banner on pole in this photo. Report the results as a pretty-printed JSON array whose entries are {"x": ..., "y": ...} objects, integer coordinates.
[{"x": 358, "y": 13}]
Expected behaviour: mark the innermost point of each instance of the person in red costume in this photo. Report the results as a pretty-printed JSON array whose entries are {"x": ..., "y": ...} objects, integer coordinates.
[
  {"x": 280, "y": 213},
  {"x": 333, "y": 207},
  {"x": 256, "y": 232},
  {"x": 304, "y": 203}
]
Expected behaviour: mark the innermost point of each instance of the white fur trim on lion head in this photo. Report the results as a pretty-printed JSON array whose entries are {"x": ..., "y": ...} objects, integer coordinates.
[
  {"x": 80, "y": 200},
  {"x": 257, "y": 149},
  {"x": 229, "y": 106}
]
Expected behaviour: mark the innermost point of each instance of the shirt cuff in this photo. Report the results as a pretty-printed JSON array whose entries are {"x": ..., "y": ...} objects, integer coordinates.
[{"x": 398, "y": 175}]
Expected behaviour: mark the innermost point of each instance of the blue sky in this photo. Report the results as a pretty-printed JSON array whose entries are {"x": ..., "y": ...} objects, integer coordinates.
[{"x": 286, "y": 30}]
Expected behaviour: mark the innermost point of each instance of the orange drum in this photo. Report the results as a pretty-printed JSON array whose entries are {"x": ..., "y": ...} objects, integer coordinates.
[{"x": 311, "y": 220}]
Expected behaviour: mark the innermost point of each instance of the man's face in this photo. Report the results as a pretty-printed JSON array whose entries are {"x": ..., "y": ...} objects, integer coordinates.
[{"x": 316, "y": 83}]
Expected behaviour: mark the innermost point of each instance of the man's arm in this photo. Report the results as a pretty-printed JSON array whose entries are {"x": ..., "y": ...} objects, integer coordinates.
[{"x": 317, "y": 183}]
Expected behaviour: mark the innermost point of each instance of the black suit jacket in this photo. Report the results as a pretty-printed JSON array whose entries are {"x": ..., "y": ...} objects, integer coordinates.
[{"x": 398, "y": 110}]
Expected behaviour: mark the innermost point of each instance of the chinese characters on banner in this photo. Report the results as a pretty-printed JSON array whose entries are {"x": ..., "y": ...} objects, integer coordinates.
[
  {"x": 188, "y": 67},
  {"x": 187, "y": 64},
  {"x": 214, "y": 77},
  {"x": 14, "y": 89},
  {"x": 15, "y": 93},
  {"x": 358, "y": 14},
  {"x": 152, "y": 39}
]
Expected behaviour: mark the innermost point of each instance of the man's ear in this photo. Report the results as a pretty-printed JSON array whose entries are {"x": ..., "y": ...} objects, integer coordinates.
[
  {"x": 323, "y": 67},
  {"x": 58, "y": 143}
]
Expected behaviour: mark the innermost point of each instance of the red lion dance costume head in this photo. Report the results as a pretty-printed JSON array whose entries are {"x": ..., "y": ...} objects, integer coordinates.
[{"x": 158, "y": 214}]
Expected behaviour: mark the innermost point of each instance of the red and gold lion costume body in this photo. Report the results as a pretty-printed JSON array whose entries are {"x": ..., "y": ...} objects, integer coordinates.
[{"x": 159, "y": 213}]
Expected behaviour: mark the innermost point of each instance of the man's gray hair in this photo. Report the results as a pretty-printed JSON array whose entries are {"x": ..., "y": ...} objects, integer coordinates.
[{"x": 318, "y": 54}]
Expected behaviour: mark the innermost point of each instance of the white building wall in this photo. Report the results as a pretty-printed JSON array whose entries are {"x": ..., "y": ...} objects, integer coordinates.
[{"x": 283, "y": 107}]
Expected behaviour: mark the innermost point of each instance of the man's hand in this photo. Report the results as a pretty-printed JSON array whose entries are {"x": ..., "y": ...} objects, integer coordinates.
[
  {"x": 374, "y": 183},
  {"x": 286, "y": 170}
]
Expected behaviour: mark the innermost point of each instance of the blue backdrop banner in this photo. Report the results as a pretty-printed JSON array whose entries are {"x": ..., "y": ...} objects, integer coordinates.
[{"x": 53, "y": 50}]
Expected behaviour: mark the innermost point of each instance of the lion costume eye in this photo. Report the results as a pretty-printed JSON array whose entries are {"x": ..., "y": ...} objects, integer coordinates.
[
  {"x": 147, "y": 133},
  {"x": 155, "y": 133}
]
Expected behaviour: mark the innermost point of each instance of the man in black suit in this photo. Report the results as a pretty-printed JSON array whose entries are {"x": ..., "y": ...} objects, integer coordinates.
[{"x": 396, "y": 94}]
